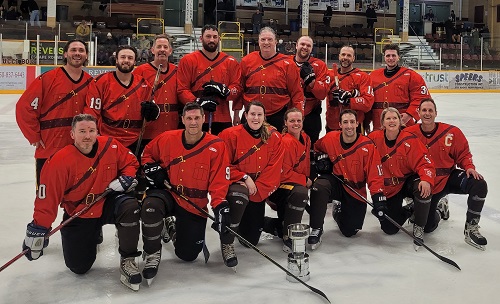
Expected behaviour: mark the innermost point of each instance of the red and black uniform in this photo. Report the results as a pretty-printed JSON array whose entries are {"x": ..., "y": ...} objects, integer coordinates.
[
  {"x": 118, "y": 107},
  {"x": 70, "y": 180},
  {"x": 354, "y": 79},
  {"x": 249, "y": 155},
  {"x": 403, "y": 90},
  {"x": 358, "y": 164},
  {"x": 405, "y": 163},
  {"x": 450, "y": 152},
  {"x": 275, "y": 82},
  {"x": 195, "y": 171},
  {"x": 196, "y": 69},
  {"x": 165, "y": 97},
  {"x": 46, "y": 109}
]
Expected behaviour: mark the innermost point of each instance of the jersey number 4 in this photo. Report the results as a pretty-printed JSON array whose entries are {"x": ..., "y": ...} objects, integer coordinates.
[{"x": 34, "y": 103}]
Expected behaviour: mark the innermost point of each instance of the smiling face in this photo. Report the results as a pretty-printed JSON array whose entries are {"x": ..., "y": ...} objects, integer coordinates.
[
  {"x": 267, "y": 43},
  {"x": 304, "y": 48},
  {"x": 85, "y": 135},
  {"x": 76, "y": 54},
  {"x": 346, "y": 57},
  {"x": 193, "y": 121},
  {"x": 255, "y": 117},
  {"x": 161, "y": 49},
  {"x": 210, "y": 40},
  {"x": 348, "y": 124},
  {"x": 294, "y": 123},
  {"x": 391, "y": 58},
  {"x": 427, "y": 113},
  {"x": 125, "y": 61}
]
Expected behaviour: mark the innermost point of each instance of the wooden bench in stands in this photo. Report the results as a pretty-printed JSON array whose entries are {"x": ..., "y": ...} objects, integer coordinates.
[{"x": 133, "y": 9}]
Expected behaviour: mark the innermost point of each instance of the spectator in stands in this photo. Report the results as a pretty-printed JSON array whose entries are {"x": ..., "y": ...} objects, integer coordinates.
[
  {"x": 452, "y": 16},
  {"x": 34, "y": 13},
  {"x": 429, "y": 16},
  {"x": 24, "y": 8},
  {"x": 260, "y": 7},
  {"x": 449, "y": 27},
  {"x": 12, "y": 14},
  {"x": 256, "y": 21},
  {"x": 475, "y": 41},
  {"x": 371, "y": 16},
  {"x": 485, "y": 34},
  {"x": 135, "y": 42},
  {"x": 83, "y": 31},
  {"x": 457, "y": 32},
  {"x": 273, "y": 24},
  {"x": 327, "y": 16},
  {"x": 144, "y": 49},
  {"x": 2, "y": 12},
  {"x": 103, "y": 6}
]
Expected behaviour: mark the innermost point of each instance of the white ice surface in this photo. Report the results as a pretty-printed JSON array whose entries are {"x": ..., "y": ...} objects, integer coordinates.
[{"x": 369, "y": 268}]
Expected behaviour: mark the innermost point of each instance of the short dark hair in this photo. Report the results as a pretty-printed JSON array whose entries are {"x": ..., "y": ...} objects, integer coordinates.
[
  {"x": 348, "y": 111},
  {"x": 82, "y": 117},
  {"x": 391, "y": 46},
  {"x": 162, "y": 36},
  {"x": 428, "y": 99},
  {"x": 209, "y": 27},
  {"x": 126, "y": 47},
  {"x": 66, "y": 48},
  {"x": 192, "y": 106}
]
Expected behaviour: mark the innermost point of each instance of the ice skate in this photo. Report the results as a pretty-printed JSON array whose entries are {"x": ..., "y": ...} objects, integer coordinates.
[
  {"x": 129, "y": 273},
  {"x": 315, "y": 238},
  {"x": 418, "y": 233},
  {"x": 169, "y": 233},
  {"x": 151, "y": 267},
  {"x": 229, "y": 256},
  {"x": 443, "y": 208},
  {"x": 472, "y": 235}
]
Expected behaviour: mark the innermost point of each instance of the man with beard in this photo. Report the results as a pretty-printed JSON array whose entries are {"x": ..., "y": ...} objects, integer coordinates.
[
  {"x": 271, "y": 78},
  {"x": 120, "y": 100},
  {"x": 397, "y": 87},
  {"x": 210, "y": 78},
  {"x": 45, "y": 110},
  {"x": 350, "y": 88}
]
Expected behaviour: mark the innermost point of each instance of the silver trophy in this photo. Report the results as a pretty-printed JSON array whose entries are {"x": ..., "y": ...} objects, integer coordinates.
[{"x": 298, "y": 259}]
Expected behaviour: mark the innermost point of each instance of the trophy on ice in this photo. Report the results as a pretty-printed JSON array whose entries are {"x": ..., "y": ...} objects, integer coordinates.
[{"x": 298, "y": 259}]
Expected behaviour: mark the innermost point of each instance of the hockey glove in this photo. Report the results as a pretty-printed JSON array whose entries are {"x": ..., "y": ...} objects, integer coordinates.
[
  {"x": 323, "y": 163},
  {"x": 150, "y": 110},
  {"x": 379, "y": 205},
  {"x": 156, "y": 175},
  {"x": 35, "y": 241},
  {"x": 334, "y": 100},
  {"x": 222, "y": 218},
  {"x": 307, "y": 73},
  {"x": 344, "y": 97},
  {"x": 208, "y": 104},
  {"x": 213, "y": 88},
  {"x": 123, "y": 184}
]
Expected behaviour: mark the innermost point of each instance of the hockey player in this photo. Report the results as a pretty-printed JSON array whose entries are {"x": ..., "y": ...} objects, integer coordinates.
[
  {"x": 350, "y": 88},
  {"x": 166, "y": 91},
  {"x": 212, "y": 78},
  {"x": 271, "y": 78},
  {"x": 449, "y": 149},
  {"x": 120, "y": 100},
  {"x": 354, "y": 159},
  {"x": 397, "y": 87},
  {"x": 256, "y": 156},
  {"x": 66, "y": 181},
  {"x": 195, "y": 163},
  {"x": 45, "y": 110},
  {"x": 292, "y": 195},
  {"x": 408, "y": 172}
]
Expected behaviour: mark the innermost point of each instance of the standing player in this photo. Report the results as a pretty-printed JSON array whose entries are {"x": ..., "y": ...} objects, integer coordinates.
[
  {"x": 354, "y": 159},
  {"x": 408, "y": 172},
  {"x": 120, "y": 100},
  {"x": 256, "y": 156},
  {"x": 455, "y": 171},
  {"x": 271, "y": 78},
  {"x": 166, "y": 91},
  {"x": 211, "y": 78},
  {"x": 67, "y": 182},
  {"x": 397, "y": 87},
  {"x": 195, "y": 163},
  {"x": 45, "y": 110},
  {"x": 354, "y": 90}
]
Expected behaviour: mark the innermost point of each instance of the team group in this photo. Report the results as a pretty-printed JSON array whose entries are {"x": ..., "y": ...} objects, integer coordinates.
[{"x": 143, "y": 148}]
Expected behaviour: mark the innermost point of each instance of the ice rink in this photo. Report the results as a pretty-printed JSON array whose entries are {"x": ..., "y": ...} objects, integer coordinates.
[{"x": 369, "y": 268}]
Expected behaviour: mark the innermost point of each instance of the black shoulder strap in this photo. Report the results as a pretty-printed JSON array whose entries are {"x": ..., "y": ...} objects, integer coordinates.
[
  {"x": 67, "y": 97},
  {"x": 435, "y": 139},
  {"x": 127, "y": 95},
  {"x": 183, "y": 158},
  {"x": 208, "y": 69},
  {"x": 390, "y": 154},
  {"x": 383, "y": 84}
]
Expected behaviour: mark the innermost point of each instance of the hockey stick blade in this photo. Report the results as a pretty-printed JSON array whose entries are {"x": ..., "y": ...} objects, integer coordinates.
[
  {"x": 247, "y": 243},
  {"x": 85, "y": 209},
  {"x": 442, "y": 258}
]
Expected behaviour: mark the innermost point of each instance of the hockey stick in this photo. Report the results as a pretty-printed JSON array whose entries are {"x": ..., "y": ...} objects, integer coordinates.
[
  {"x": 143, "y": 128},
  {"x": 210, "y": 116},
  {"x": 64, "y": 223},
  {"x": 420, "y": 243},
  {"x": 247, "y": 243}
]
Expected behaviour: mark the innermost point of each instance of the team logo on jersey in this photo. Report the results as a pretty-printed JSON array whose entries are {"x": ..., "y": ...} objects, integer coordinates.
[
  {"x": 428, "y": 172},
  {"x": 407, "y": 144},
  {"x": 285, "y": 61},
  {"x": 315, "y": 64},
  {"x": 234, "y": 91},
  {"x": 114, "y": 146},
  {"x": 365, "y": 149},
  {"x": 212, "y": 149}
]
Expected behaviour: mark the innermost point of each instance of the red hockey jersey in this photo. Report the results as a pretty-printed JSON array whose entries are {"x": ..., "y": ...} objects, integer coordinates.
[
  {"x": 263, "y": 164},
  {"x": 408, "y": 156},
  {"x": 118, "y": 107},
  {"x": 70, "y": 179},
  {"x": 357, "y": 165},
  {"x": 403, "y": 91},
  {"x": 354, "y": 79},
  {"x": 275, "y": 82},
  {"x": 196, "y": 69},
  {"x": 448, "y": 148},
  {"x": 296, "y": 159},
  {"x": 165, "y": 97},
  {"x": 195, "y": 172},
  {"x": 46, "y": 109}
]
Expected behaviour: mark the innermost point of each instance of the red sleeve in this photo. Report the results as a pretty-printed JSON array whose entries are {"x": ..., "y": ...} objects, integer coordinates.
[
  {"x": 219, "y": 176},
  {"x": 269, "y": 179},
  {"x": 229, "y": 139},
  {"x": 127, "y": 162},
  {"x": 294, "y": 86},
  {"x": 321, "y": 84},
  {"x": 373, "y": 171},
  {"x": 290, "y": 157},
  {"x": 93, "y": 103},
  {"x": 418, "y": 91},
  {"x": 185, "y": 70},
  {"x": 364, "y": 102},
  {"x": 420, "y": 162},
  {"x": 235, "y": 84},
  {"x": 461, "y": 151},
  {"x": 28, "y": 110}
]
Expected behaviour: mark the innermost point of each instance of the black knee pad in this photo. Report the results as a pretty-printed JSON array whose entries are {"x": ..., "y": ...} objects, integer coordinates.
[
  {"x": 80, "y": 269},
  {"x": 186, "y": 255},
  {"x": 477, "y": 187},
  {"x": 125, "y": 203},
  {"x": 348, "y": 232},
  {"x": 165, "y": 196},
  {"x": 237, "y": 192},
  {"x": 153, "y": 205}
]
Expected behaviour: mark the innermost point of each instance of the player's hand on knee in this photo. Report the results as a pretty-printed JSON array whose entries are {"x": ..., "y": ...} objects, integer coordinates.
[
  {"x": 35, "y": 241},
  {"x": 123, "y": 184},
  {"x": 379, "y": 205}
]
